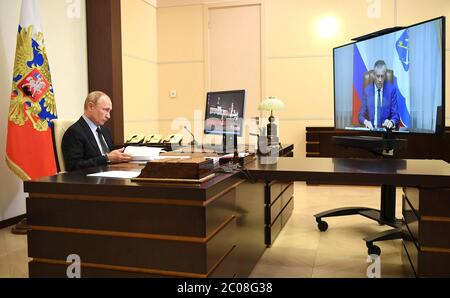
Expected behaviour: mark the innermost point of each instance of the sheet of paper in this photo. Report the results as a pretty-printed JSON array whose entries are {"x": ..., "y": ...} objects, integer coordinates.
[
  {"x": 143, "y": 162},
  {"x": 116, "y": 174},
  {"x": 230, "y": 155},
  {"x": 172, "y": 156},
  {"x": 143, "y": 152}
]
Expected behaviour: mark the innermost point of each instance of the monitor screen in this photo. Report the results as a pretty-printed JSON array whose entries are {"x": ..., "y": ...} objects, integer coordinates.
[
  {"x": 224, "y": 112},
  {"x": 394, "y": 80}
]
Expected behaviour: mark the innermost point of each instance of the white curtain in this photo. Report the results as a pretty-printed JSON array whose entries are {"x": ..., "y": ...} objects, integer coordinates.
[
  {"x": 343, "y": 88},
  {"x": 426, "y": 74}
]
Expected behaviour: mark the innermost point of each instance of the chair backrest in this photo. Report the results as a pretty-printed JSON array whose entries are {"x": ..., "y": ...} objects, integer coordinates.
[
  {"x": 59, "y": 129},
  {"x": 369, "y": 77}
]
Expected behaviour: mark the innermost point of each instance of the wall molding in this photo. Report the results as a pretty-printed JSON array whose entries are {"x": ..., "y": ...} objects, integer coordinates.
[
  {"x": 139, "y": 58},
  {"x": 151, "y": 2},
  {"x": 182, "y": 62},
  {"x": 298, "y": 57},
  {"x": 11, "y": 221},
  {"x": 173, "y": 3},
  {"x": 142, "y": 120}
]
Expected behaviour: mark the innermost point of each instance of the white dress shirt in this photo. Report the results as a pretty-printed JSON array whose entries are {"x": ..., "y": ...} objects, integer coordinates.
[
  {"x": 375, "y": 119},
  {"x": 93, "y": 128}
]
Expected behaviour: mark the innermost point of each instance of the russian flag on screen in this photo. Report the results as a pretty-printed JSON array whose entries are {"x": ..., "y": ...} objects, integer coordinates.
[{"x": 359, "y": 69}]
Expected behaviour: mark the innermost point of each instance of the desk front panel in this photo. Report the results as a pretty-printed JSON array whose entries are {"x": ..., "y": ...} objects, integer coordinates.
[
  {"x": 189, "y": 235},
  {"x": 426, "y": 222}
]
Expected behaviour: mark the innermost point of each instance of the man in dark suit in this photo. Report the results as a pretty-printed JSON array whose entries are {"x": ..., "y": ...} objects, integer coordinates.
[
  {"x": 379, "y": 101},
  {"x": 86, "y": 143}
]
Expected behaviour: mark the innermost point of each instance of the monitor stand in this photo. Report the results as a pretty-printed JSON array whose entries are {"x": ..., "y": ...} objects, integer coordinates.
[
  {"x": 382, "y": 146},
  {"x": 229, "y": 143}
]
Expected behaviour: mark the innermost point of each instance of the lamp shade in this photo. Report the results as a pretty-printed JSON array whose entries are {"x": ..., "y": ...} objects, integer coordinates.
[{"x": 271, "y": 104}]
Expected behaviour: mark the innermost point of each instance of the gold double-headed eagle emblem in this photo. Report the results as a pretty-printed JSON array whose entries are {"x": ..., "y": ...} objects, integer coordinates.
[{"x": 31, "y": 90}]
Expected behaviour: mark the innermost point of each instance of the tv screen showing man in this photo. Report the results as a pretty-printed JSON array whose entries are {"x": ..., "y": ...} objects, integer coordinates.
[{"x": 392, "y": 81}]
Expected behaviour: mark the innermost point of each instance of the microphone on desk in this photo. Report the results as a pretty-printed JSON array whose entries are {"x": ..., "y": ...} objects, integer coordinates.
[{"x": 193, "y": 142}]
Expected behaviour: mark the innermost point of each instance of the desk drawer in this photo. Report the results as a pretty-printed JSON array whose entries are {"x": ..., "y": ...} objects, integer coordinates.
[
  {"x": 412, "y": 254},
  {"x": 273, "y": 210},
  {"x": 429, "y": 202},
  {"x": 287, "y": 212},
  {"x": 410, "y": 221},
  {"x": 408, "y": 268},
  {"x": 273, "y": 230},
  {"x": 411, "y": 196},
  {"x": 433, "y": 264},
  {"x": 275, "y": 189}
]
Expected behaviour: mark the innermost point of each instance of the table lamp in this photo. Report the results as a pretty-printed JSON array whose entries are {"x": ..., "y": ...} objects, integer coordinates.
[{"x": 271, "y": 104}]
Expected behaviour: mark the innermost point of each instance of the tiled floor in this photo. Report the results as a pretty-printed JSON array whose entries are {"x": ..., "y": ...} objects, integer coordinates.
[
  {"x": 300, "y": 250},
  {"x": 13, "y": 254}
]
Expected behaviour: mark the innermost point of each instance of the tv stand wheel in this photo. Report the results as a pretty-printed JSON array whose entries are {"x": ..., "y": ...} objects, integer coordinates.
[
  {"x": 373, "y": 250},
  {"x": 322, "y": 225}
]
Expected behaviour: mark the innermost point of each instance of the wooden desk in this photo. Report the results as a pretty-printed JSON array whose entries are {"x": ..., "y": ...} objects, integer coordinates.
[
  {"x": 426, "y": 200},
  {"x": 129, "y": 229},
  {"x": 122, "y": 228}
]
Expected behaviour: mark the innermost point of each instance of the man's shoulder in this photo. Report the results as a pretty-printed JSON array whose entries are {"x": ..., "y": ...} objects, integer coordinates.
[
  {"x": 389, "y": 85},
  {"x": 77, "y": 128},
  {"x": 390, "y": 88},
  {"x": 369, "y": 88}
]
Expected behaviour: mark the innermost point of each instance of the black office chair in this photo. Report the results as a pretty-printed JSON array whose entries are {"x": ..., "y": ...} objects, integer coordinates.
[{"x": 386, "y": 214}]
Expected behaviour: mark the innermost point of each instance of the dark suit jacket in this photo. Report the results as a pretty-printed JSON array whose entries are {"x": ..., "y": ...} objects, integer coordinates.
[
  {"x": 80, "y": 148},
  {"x": 389, "y": 108}
]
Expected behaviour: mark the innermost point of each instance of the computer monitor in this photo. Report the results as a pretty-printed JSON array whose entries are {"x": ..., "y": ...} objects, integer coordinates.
[
  {"x": 411, "y": 60},
  {"x": 224, "y": 115},
  {"x": 224, "y": 112}
]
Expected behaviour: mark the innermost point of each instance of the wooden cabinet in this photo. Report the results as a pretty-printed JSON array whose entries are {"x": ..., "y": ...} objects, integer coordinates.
[
  {"x": 278, "y": 202},
  {"x": 426, "y": 222},
  {"x": 278, "y": 207}
]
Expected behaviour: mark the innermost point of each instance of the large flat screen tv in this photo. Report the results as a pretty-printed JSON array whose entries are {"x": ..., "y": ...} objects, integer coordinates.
[{"x": 392, "y": 81}]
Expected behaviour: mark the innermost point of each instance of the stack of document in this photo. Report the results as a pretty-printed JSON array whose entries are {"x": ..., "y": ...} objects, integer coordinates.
[
  {"x": 116, "y": 174},
  {"x": 143, "y": 153}
]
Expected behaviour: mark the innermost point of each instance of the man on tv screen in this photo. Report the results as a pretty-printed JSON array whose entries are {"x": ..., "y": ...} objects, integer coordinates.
[{"x": 379, "y": 101}]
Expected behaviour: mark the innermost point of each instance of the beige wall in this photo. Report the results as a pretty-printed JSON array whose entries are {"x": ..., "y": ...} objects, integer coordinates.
[
  {"x": 65, "y": 39},
  {"x": 298, "y": 63},
  {"x": 180, "y": 65},
  {"x": 140, "y": 90}
]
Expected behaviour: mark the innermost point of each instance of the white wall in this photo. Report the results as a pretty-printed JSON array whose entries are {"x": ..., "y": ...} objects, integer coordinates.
[{"x": 64, "y": 28}]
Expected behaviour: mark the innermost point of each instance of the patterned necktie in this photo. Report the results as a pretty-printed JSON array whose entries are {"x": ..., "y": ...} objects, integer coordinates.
[
  {"x": 379, "y": 108},
  {"x": 103, "y": 144}
]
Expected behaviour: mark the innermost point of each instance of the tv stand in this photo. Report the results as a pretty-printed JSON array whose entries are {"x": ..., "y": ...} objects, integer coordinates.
[
  {"x": 380, "y": 146},
  {"x": 384, "y": 147}
]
